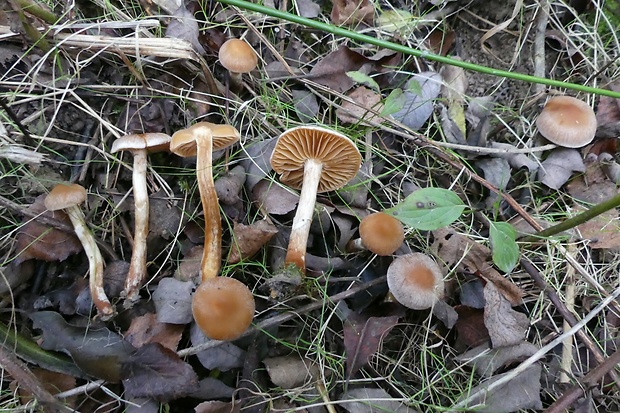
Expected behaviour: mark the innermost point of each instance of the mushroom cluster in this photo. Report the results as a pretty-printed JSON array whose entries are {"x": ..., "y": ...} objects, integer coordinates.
[{"x": 223, "y": 307}]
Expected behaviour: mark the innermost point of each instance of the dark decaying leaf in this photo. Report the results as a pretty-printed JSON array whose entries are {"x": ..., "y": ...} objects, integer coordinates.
[
  {"x": 608, "y": 114},
  {"x": 272, "y": 198},
  {"x": 164, "y": 216},
  {"x": 506, "y": 326},
  {"x": 224, "y": 357},
  {"x": 352, "y": 12},
  {"x": 249, "y": 239},
  {"x": 146, "y": 329},
  {"x": 183, "y": 25},
  {"x": 42, "y": 242},
  {"x": 520, "y": 393},
  {"x": 15, "y": 274},
  {"x": 217, "y": 407},
  {"x": 308, "y": 8},
  {"x": 189, "y": 267},
  {"x": 305, "y": 103},
  {"x": 228, "y": 186},
  {"x": 98, "y": 352},
  {"x": 331, "y": 71},
  {"x": 470, "y": 326},
  {"x": 173, "y": 301},
  {"x": 257, "y": 161},
  {"x": 486, "y": 360},
  {"x": 156, "y": 372},
  {"x": 371, "y": 400},
  {"x": 362, "y": 337}
]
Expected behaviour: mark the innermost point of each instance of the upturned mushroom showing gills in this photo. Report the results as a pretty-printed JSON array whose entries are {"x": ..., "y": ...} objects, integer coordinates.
[
  {"x": 139, "y": 145},
  {"x": 68, "y": 197},
  {"x": 567, "y": 121},
  {"x": 316, "y": 160},
  {"x": 415, "y": 280},
  {"x": 211, "y": 311},
  {"x": 379, "y": 233}
]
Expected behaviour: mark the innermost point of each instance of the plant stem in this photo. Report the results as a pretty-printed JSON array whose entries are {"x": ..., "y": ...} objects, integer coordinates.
[
  {"x": 339, "y": 31},
  {"x": 576, "y": 220}
]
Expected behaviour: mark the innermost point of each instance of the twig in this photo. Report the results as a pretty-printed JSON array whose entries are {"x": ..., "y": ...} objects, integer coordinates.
[
  {"x": 542, "y": 17},
  {"x": 567, "y": 347}
]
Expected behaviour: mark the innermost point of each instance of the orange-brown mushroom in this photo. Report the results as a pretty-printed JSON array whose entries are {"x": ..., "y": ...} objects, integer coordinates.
[
  {"x": 380, "y": 233},
  {"x": 415, "y": 280},
  {"x": 237, "y": 57},
  {"x": 567, "y": 121},
  {"x": 68, "y": 197},
  {"x": 139, "y": 145},
  {"x": 316, "y": 160}
]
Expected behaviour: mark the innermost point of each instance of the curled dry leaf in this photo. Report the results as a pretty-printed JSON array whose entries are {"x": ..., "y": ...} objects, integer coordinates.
[
  {"x": 42, "y": 242},
  {"x": 224, "y": 357},
  {"x": 557, "y": 169},
  {"x": 183, "y": 25},
  {"x": 273, "y": 198},
  {"x": 146, "y": 329},
  {"x": 249, "y": 239},
  {"x": 486, "y": 360},
  {"x": 365, "y": 99},
  {"x": 352, "y": 12},
  {"x": 506, "y": 326}
]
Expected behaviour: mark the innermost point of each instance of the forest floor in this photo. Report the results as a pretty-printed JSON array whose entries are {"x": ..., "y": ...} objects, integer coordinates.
[{"x": 513, "y": 322}]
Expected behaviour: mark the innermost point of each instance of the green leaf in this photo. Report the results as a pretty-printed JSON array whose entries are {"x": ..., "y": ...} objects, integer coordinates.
[
  {"x": 428, "y": 209},
  {"x": 394, "y": 102},
  {"x": 414, "y": 87},
  {"x": 364, "y": 79},
  {"x": 504, "y": 245}
]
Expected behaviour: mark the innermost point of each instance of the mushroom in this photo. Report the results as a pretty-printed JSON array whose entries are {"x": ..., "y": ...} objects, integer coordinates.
[
  {"x": 316, "y": 160},
  {"x": 215, "y": 297},
  {"x": 139, "y": 145},
  {"x": 237, "y": 57},
  {"x": 415, "y": 280},
  {"x": 380, "y": 233},
  {"x": 67, "y": 197},
  {"x": 567, "y": 121},
  {"x": 223, "y": 308}
]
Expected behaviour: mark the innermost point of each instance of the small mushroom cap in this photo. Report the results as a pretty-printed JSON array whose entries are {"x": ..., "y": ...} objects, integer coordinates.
[
  {"x": 183, "y": 142},
  {"x": 415, "y": 280},
  {"x": 567, "y": 121},
  {"x": 64, "y": 196},
  {"x": 238, "y": 56},
  {"x": 153, "y": 142},
  {"x": 339, "y": 155},
  {"x": 381, "y": 233},
  {"x": 223, "y": 308}
]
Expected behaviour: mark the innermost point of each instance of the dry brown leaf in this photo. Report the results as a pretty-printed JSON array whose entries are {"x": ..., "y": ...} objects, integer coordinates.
[
  {"x": 53, "y": 382},
  {"x": 470, "y": 326},
  {"x": 146, "y": 329},
  {"x": 289, "y": 372},
  {"x": 42, "y": 242},
  {"x": 274, "y": 199},
  {"x": 217, "y": 407},
  {"x": 352, "y": 12},
  {"x": 228, "y": 186},
  {"x": 249, "y": 239},
  {"x": 593, "y": 186},
  {"x": 189, "y": 267},
  {"x": 603, "y": 231},
  {"x": 365, "y": 98},
  {"x": 608, "y": 114},
  {"x": 506, "y": 326},
  {"x": 440, "y": 42},
  {"x": 455, "y": 249}
]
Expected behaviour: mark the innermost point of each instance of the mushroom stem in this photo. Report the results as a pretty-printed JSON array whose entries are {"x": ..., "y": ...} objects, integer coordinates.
[
  {"x": 298, "y": 242},
  {"x": 95, "y": 261},
  {"x": 212, "y": 256},
  {"x": 137, "y": 267}
]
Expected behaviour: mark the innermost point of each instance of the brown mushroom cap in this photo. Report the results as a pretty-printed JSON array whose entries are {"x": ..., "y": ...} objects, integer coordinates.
[
  {"x": 415, "y": 280},
  {"x": 64, "y": 196},
  {"x": 223, "y": 308},
  {"x": 340, "y": 158},
  {"x": 153, "y": 142},
  {"x": 238, "y": 56},
  {"x": 381, "y": 233},
  {"x": 183, "y": 142},
  {"x": 567, "y": 121}
]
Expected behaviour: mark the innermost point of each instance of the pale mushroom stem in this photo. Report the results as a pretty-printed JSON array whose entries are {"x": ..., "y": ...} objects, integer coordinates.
[
  {"x": 137, "y": 267},
  {"x": 95, "y": 261},
  {"x": 298, "y": 242},
  {"x": 212, "y": 256}
]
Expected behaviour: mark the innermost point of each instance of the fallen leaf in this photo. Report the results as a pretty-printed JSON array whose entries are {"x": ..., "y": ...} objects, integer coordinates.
[
  {"x": 212, "y": 389},
  {"x": 308, "y": 8},
  {"x": 15, "y": 274},
  {"x": 146, "y": 329},
  {"x": 183, "y": 25},
  {"x": 440, "y": 42},
  {"x": 173, "y": 301},
  {"x": 453, "y": 90},
  {"x": 289, "y": 372},
  {"x": 558, "y": 167},
  {"x": 228, "y": 186},
  {"x": 42, "y": 242},
  {"x": 610, "y": 167},
  {"x": 156, "y": 372},
  {"x": 506, "y": 326},
  {"x": 421, "y": 91},
  {"x": 470, "y": 326},
  {"x": 445, "y": 313},
  {"x": 98, "y": 352},
  {"x": 496, "y": 171},
  {"x": 305, "y": 104},
  {"x": 515, "y": 160},
  {"x": 502, "y": 237},
  {"x": 397, "y": 21},
  {"x": 520, "y": 393},
  {"x": 217, "y": 407},
  {"x": 365, "y": 99},
  {"x": 51, "y": 381},
  {"x": 371, "y": 400},
  {"x": 362, "y": 337},
  {"x": 165, "y": 216},
  {"x": 257, "y": 161},
  {"x": 603, "y": 230},
  {"x": 608, "y": 114},
  {"x": 274, "y": 199},
  {"x": 224, "y": 357},
  {"x": 249, "y": 239},
  {"x": 189, "y": 267},
  {"x": 487, "y": 361},
  {"x": 352, "y": 12},
  {"x": 331, "y": 71}
]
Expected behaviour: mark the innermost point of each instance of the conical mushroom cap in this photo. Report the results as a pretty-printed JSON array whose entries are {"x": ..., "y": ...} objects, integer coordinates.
[
  {"x": 415, "y": 280},
  {"x": 340, "y": 158}
]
